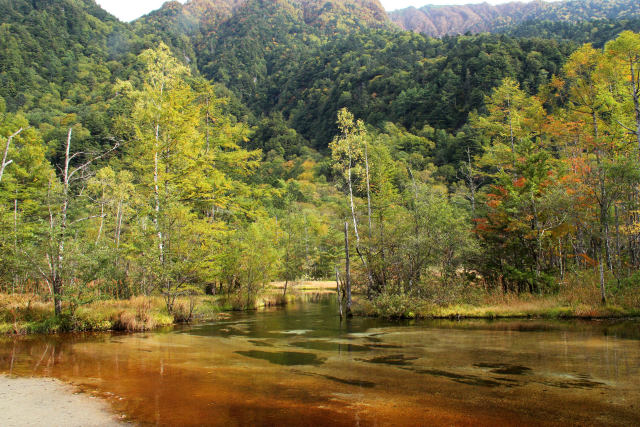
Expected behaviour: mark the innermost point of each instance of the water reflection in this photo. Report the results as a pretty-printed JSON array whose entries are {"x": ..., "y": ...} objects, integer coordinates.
[{"x": 302, "y": 366}]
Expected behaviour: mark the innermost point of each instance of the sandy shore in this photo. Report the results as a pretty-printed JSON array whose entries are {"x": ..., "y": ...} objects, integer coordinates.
[{"x": 48, "y": 402}]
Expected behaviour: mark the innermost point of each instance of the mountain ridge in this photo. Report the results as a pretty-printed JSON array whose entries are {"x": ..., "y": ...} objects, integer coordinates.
[
  {"x": 438, "y": 21},
  {"x": 313, "y": 12}
]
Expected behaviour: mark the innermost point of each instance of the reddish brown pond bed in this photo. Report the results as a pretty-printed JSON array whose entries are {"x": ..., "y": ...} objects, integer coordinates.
[{"x": 301, "y": 366}]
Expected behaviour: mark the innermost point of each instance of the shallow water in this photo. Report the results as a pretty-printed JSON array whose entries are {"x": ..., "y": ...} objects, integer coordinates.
[{"x": 302, "y": 366}]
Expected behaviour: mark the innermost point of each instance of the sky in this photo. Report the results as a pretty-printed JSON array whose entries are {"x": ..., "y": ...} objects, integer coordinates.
[{"x": 128, "y": 10}]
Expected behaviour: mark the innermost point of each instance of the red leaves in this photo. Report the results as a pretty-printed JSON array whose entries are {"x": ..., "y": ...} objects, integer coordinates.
[{"x": 520, "y": 182}]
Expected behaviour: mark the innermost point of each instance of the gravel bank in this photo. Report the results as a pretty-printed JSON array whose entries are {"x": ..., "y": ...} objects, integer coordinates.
[{"x": 48, "y": 402}]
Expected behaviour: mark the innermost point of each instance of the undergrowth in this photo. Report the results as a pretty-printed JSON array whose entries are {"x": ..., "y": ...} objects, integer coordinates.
[{"x": 578, "y": 296}]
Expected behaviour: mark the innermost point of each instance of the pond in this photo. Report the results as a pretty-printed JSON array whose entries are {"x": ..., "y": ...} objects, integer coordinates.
[{"x": 301, "y": 365}]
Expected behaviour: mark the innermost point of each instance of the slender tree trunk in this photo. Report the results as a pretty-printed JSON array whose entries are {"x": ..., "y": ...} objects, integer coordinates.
[
  {"x": 366, "y": 163},
  {"x": 15, "y": 242},
  {"x": 635, "y": 89},
  {"x": 538, "y": 237},
  {"x": 101, "y": 220},
  {"x": 561, "y": 259},
  {"x": 347, "y": 268},
  {"x": 58, "y": 287},
  {"x": 355, "y": 227},
  {"x": 338, "y": 292},
  {"x": 603, "y": 294},
  {"x": 351, "y": 202},
  {"x": 156, "y": 194},
  {"x": 118, "y": 228},
  {"x": 602, "y": 244},
  {"x": 6, "y": 163},
  {"x": 618, "y": 254}
]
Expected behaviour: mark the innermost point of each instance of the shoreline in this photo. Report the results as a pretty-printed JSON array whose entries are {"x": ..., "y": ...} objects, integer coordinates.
[
  {"x": 541, "y": 309},
  {"x": 32, "y": 401},
  {"x": 502, "y": 317},
  {"x": 125, "y": 316}
]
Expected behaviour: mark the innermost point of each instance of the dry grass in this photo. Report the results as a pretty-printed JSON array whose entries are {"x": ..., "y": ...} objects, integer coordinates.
[
  {"x": 140, "y": 314},
  {"x": 23, "y": 314},
  {"x": 578, "y": 297}
]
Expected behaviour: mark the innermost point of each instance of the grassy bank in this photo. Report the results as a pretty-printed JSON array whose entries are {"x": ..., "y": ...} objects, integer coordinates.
[
  {"x": 31, "y": 314},
  {"x": 577, "y": 297},
  {"x": 543, "y": 308}
]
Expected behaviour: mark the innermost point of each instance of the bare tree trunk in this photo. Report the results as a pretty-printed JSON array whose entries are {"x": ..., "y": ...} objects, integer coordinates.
[
  {"x": 618, "y": 254},
  {"x": 603, "y": 211},
  {"x": 607, "y": 239},
  {"x": 366, "y": 163},
  {"x": 58, "y": 287},
  {"x": 635, "y": 89},
  {"x": 101, "y": 219},
  {"x": 355, "y": 226},
  {"x": 15, "y": 242},
  {"x": 351, "y": 203},
  {"x": 338, "y": 292},
  {"x": 538, "y": 237},
  {"x": 6, "y": 163},
  {"x": 561, "y": 260},
  {"x": 603, "y": 294},
  {"x": 118, "y": 226},
  {"x": 56, "y": 261},
  {"x": 347, "y": 267},
  {"x": 156, "y": 194}
]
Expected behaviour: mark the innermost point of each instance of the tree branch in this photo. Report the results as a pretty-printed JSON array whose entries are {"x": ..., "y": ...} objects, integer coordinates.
[
  {"x": 631, "y": 131},
  {"x": 98, "y": 157},
  {"x": 6, "y": 152},
  {"x": 87, "y": 218}
]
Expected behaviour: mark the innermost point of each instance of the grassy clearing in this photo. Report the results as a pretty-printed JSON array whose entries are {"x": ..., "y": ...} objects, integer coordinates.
[{"x": 577, "y": 297}]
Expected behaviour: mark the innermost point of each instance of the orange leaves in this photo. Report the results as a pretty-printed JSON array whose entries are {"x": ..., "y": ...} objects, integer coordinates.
[
  {"x": 494, "y": 203},
  {"x": 556, "y": 83},
  {"x": 590, "y": 261},
  {"x": 520, "y": 182}
]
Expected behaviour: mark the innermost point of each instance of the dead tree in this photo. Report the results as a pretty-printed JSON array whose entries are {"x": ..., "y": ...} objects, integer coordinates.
[
  {"x": 6, "y": 162},
  {"x": 59, "y": 223},
  {"x": 347, "y": 268}
]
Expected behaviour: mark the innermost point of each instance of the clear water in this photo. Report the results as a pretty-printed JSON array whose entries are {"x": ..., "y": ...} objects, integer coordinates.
[{"x": 302, "y": 366}]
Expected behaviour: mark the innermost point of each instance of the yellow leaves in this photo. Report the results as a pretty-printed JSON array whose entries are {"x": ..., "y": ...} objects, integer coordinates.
[
  {"x": 625, "y": 48},
  {"x": 583, "y": 62},
  {"x": 633, "y": 228},
  {"x": 307, "y": 176}
]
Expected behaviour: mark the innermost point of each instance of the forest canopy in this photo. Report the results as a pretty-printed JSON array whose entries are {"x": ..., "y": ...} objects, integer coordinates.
[{"x": 175, "y": 157}]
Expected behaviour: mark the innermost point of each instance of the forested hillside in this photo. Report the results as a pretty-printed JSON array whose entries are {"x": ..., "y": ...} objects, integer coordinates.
[
  {"x": 219, "y": 146},
  {"x": 438, "y": 21}
]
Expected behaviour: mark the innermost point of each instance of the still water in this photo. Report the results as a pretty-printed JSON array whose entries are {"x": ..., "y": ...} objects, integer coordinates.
[{"x": 301, "y": 366}]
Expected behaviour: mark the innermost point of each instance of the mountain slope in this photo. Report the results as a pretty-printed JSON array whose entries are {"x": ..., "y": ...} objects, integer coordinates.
[
  {"x": 475, "y": 18},
  {"x": 205, "y": 16},
  {"x": 48, "y": 46},
  {"x": 240, "y": 42}
]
